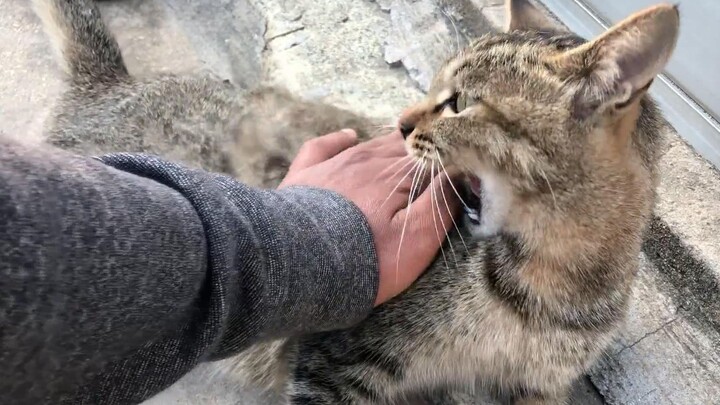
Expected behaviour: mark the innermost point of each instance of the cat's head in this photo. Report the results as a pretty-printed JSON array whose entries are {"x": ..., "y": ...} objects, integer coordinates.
[{"x": 546, "y": 125}]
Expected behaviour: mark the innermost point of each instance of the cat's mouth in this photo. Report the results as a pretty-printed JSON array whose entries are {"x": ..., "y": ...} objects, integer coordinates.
[{"x": 472, "y": 197}]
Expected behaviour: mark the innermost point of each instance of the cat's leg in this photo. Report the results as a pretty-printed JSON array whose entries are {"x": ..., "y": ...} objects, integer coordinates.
[
  {"x": 347, "y": 368},
  {"x": 336, "y": 383},
  {"x": 309, "y": 387}
]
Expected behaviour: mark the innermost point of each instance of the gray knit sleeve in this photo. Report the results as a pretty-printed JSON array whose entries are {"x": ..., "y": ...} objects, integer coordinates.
[{"x": 118, "y": 276}]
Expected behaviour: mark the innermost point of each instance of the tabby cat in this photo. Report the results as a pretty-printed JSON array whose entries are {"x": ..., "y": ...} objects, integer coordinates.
[{"x": 559, "y": 143}]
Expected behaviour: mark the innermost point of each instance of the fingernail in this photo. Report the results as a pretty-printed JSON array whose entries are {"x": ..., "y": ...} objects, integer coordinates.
[{"x": 349, "y": 131}]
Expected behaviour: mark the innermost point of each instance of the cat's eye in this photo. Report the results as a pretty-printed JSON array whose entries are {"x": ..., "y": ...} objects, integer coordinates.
[{"x": 459, "y": 102}]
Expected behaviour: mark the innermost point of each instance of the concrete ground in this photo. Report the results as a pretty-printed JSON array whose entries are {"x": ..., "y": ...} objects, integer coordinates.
[{"x": 377, "y": 57}]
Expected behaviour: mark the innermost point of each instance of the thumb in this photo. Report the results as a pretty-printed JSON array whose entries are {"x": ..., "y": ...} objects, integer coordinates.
[
  {"x": 428, "y": 219},
  {"x": 322, "y": 148}
]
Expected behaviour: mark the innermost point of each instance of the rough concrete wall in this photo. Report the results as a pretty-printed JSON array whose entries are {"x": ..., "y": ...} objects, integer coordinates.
[{"x": 376, "y": 57}]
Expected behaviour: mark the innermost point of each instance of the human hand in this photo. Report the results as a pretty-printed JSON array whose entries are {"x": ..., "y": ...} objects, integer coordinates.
[{"x": 375, "y": 175}]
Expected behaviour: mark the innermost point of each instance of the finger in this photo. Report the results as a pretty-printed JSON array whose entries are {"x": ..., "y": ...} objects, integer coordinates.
[
  {"x": 398, "y": 265},
  {"x": 322, "y": 148}
]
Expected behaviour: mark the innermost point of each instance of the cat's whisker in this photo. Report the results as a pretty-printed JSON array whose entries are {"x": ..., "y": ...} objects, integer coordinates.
[
  {"x": 550, "y": 187},
  {"x": 437, "y": 203},
  {"x": 380, "y": 132},
  {"x": 450, "y": 180},
  {"x": 422, "y": 174},
  {"x": 447, "y": 206},
  {"x": 407, "y": 215},
  {"x": 393, "y": 165},
  {"x": 432, "y": 200},
  {"x": 386, "y": 126},
  {"x": 414, "y": 168},
  {"x": 457, "y": 32},
  {"x": 399, "y": 170}
]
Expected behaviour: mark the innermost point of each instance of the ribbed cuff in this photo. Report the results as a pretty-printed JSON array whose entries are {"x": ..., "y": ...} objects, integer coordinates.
[
  {"x": 321, "y": 254},
  {"x": 280, "y": 263}
]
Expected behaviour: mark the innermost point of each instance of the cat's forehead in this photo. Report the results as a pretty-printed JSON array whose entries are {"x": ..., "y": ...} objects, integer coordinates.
[
  {"x": 522, "y": 44},
  {"x": 506, "y": 55}
]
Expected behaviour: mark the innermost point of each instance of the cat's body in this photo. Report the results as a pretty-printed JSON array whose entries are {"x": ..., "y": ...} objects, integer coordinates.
[
  {"x": 200, "y": 120},
  {"x": 561, "y": 137}
]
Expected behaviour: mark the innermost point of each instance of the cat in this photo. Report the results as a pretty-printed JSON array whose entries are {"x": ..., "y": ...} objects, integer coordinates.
[
  {"x": 202, "y": 121},
  {"x": 559, "y": 144}
]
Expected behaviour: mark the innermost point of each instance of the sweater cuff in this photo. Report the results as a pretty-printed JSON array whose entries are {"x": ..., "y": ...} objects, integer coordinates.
[
  {"x": 320, "y": 251},
  {"x": 280, "y": 262}
]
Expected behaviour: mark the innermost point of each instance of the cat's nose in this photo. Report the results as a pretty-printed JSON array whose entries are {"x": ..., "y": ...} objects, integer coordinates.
[{"x": 406, "y": 129}]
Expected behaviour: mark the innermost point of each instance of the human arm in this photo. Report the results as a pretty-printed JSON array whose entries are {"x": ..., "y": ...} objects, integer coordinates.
[{"x": 122, "y": 276}]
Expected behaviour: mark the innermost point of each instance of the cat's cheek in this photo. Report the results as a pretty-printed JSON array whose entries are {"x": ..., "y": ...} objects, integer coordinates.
[
  {"x": 484, "y": 229},
  {"x": 497, "y": 198},
  {"x": 473, "y": 227}
]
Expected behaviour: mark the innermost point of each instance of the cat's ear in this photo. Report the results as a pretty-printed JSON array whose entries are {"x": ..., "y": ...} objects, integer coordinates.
[
  {"x": 524, "y": 16},
  {"x": 618, "y": 66}
]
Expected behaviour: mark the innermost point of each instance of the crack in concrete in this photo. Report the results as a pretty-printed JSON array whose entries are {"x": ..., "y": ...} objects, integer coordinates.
[
  {"x": 284, "y": 34},
  {"x": 648, "y": 394},
  {"x": 268, "y": 41},
  {"x": 648, "y": 334}
]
